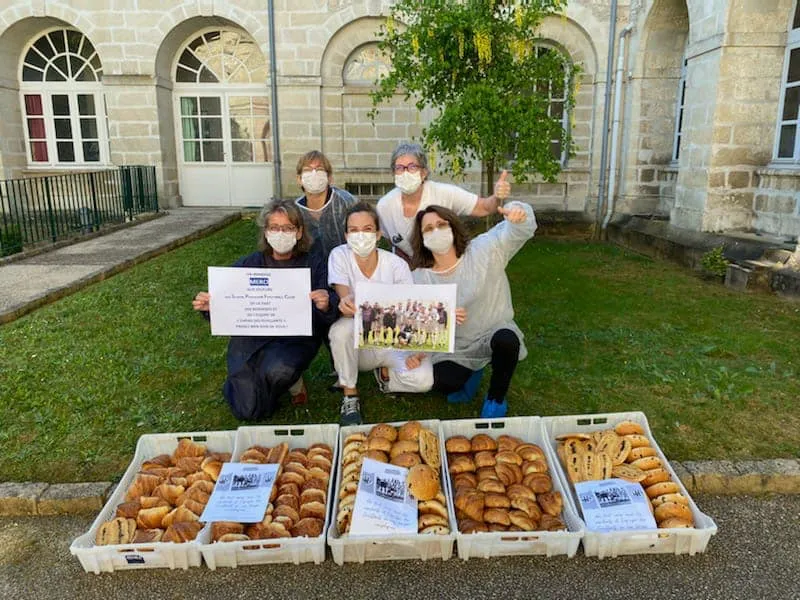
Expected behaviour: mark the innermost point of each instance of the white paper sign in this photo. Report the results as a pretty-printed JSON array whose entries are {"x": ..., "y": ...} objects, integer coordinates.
[
  {"x": 614, "y": 505},
  {"x": 383, "y": 504},
  {"x": 241, "y": 493},
  {"x": 259, "y": 302},
  {"x": 417, "y": 318}
]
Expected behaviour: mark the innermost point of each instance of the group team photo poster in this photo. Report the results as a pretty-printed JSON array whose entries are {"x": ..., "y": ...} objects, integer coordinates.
[{"x": 405, "y": 317}]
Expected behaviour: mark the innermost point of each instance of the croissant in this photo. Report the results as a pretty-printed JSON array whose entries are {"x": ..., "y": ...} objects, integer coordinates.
[
  {"x": 178, "y": 515},
  {"x": 221, "y": 528},
  {"x": 160, "y": 461},
  {"x": 169, "y": 492},
  {"x": 150, "y": 518},
  {"x": 190, "y": 464},
  {"x": 187, "y": 447},
  {"x": 182, "y": 532},
  {"x": 148, "y": 536}
]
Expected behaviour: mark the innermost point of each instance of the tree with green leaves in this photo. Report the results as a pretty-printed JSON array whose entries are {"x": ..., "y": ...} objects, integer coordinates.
[{"x": 498, "y": 91}]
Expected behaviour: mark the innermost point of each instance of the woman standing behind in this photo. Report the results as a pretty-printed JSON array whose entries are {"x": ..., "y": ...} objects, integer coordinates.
[
  {"x": 486, "y": 329},
  {"x": 261, "y": 369}
]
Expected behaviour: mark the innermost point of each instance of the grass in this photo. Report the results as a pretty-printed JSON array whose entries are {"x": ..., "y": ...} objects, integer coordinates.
[{"x": 716, "y": 372}]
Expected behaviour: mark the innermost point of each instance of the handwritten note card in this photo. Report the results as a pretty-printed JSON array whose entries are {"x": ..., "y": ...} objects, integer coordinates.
[
  {"x": 241, "y": 493},
  {"x": 383, "y": 504},
  {"x": 614, "y": 505}
]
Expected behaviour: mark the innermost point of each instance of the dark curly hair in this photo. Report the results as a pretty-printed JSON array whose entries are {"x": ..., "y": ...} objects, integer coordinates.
[{"x": 423, "y": 258}]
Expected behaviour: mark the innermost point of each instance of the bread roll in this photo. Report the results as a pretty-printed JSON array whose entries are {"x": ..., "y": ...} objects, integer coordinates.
[
  {"x": 659, "y": 489},
  {"x": 323, "y": 462},
  {"x": 295, "y": 478},
  {"x": 431, "y": 520},
  {"x": 308, "y": 527},
  {"x": 551, "y": 503},
  {"x": 297, "y": 457},
  {"x": 481, "y": 442},
  {"x": 128, "y": 510},
  {"x": 647, "y": 462},
  {"x": 637, "y": 440},
  {"x": 676, "y": 523},
  {"x": 435, "y": 530},
  {"x": 355, "y": 437},
  {"x": 653, "y": 476},
  {"x": 458, "y": 444},
  {"x": 353, "y": 449},
  {"x": 432, "y": 507},
  {"x": 251, "y": 455},
  {"x": 314, "y": 483},
  {"x": 286, "y": 511},
  {"x": 678, "y": 497},
  {"x": 187, "y": 447},
  {"x": 423, "y": 482},
  {"x": 315, "y": 510},
  {"x": 402, "y": 447},
  {"x": 497, "y": 516},
  {"x": 312, "y": 495},
  {"x": 668, "y": 510},
  {"x": 628, "y": 427},
  {"x": 377, "y": 455},
  {"x": 288, "y": 500},
  {"x": 323, "y": 450},
  {"x": 383, "y": 430},
  {"x": 406, "y": 460},
  {"x": 409, "y": 431},
  {"x": 380, "y": 444},
  {"x": 429, "y": 449},
  {"x": 150, "y": 518}
]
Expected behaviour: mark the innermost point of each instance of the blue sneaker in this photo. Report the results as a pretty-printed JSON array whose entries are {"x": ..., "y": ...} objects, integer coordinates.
[
  {"x": 493, "y": 409},
  {"x": 467, "y": 393}
]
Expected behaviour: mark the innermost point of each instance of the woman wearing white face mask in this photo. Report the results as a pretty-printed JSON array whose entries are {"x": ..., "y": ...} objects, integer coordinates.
[
  {"x": 261, "y": 369},
  {"x": 415, "y": 191},
  {"x": 322, "y": 204},
  {"x": 360, "y": 260},
  {"x": 486, "y": 331}
]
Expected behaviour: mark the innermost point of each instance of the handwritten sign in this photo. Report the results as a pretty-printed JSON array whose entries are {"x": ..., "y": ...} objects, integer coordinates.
[
  {"x": 259, "y": 302},
  {"x": 241, "y": 493},
  {"x": 383, "y": 504},
  {"x": 614, "y": 505}
]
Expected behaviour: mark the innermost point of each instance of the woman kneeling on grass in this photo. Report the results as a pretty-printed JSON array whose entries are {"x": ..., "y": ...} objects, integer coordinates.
[
  {"x": 261, "y": 369},
  {"x": 486, "y": 329}
]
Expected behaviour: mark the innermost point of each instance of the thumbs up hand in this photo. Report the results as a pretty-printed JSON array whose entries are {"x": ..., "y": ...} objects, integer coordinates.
[
  {"x": 502, "y": 188},
  {"x": 512, "y": 213}
]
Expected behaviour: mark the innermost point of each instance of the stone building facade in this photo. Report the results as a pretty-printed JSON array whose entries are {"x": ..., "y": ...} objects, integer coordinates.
[{"x": 708, "y": 115}]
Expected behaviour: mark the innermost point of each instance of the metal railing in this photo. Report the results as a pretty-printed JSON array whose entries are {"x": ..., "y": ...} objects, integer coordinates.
[{"x": 45, "y": 209}]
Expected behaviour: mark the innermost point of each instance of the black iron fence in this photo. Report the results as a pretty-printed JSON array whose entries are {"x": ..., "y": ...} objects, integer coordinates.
[{"x": 38, "y": 210}]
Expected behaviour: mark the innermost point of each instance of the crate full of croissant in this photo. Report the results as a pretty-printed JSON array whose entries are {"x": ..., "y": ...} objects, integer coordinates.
[
  {"x": 294, "y": 523},
  {"x": 416, "y": 446},
  {"x": 503, "y": 492},
  {"x": 153, "y": 517},
  {"x": 621, "y": 446}
]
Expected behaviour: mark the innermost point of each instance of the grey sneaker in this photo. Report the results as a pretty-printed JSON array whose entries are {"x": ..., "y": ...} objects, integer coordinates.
[
  {"x": 350, "y": 412},
  {"x": 383, "y": 384}
]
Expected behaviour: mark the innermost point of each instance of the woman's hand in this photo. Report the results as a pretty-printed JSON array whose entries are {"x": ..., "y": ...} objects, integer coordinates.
[
  {"x": 201, "y": 301},
  {"x": 415, "y": 360},
  {"x": 502, "y": 189},
  {"x": 461, "y": 315},
  {"x": 513, "y": 214},
  {"x": 347, "y": 306},
  {"x": 320, "y": 299}
]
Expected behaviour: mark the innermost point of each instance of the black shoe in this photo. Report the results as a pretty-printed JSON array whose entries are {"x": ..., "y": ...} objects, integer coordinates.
[{"x": 350, "y": 412}]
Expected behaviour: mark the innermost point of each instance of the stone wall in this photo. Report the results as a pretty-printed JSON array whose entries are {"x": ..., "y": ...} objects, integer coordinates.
[{"x": 776, "y": 202}]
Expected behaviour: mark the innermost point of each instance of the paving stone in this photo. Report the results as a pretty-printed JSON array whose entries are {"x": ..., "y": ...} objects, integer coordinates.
[
  {"x": 18, "y": 499},
  {"x": 73, "y": 498},
  {"x": 713, "y": 476},
  {"x": 687, "y": 479}
]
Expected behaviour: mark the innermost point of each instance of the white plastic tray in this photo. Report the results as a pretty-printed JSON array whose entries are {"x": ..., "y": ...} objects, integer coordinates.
[
  {"x": 283, "y": 550},
  {"x": 486, "y": 545},
  {"x": 363, "y": 548},
  {"x": 661, "y": 541},
  {"x": 98, "y": 559}
]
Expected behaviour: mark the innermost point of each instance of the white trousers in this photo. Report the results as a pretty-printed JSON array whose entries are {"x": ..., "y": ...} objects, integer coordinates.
[{"x": 349, "y": 361}]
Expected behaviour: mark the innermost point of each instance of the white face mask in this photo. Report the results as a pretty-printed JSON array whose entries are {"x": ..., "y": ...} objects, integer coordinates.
[
  {"x": 408, "y": 182},
  {"x": 438, "y": 241},
  {"x": 362, "y": 242},
  {"x": 314, "y": 182},
  {"x": 282, "y": 242}
]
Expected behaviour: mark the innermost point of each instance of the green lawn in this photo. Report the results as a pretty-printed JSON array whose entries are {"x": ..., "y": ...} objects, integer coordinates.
[{"x": 716, "y": 372}]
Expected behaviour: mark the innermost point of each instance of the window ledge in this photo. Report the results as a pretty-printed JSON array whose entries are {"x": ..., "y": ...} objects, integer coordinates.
[{"x": 786, "y": 170}]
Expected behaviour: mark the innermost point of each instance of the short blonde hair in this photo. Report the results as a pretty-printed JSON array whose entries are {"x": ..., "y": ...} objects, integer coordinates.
[{"x": 310, "y": 157}]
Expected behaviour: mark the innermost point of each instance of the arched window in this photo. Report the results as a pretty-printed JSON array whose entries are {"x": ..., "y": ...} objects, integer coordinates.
[
  {"x": 220, "y": 76},
  {"x": 365, "y": 65},
  {"x": 558, "y": 106},
  {"x": 787, "y": 142},
  {"x": 62, "y": 100}
]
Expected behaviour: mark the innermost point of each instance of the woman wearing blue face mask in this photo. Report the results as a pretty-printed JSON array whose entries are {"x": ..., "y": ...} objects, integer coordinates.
[
  {"x": 360, "y": 260},
  {"x": 415, "y": 191},
  {"x": 486, "y": 331},
  {"x": 261, "y": 369}
]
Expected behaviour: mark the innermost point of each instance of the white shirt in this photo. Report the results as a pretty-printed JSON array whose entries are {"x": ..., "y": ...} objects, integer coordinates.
[
  {"x": 343, "y": 269},
  {"x": 397, "y": 228}
]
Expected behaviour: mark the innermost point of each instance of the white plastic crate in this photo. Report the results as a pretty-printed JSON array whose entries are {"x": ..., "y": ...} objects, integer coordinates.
[
  {"x": 660, "y": 541},
  {"x": 396, "y": 547},
  {"x": 499, "y": 543},
  {"x": 98, "y": 559},
  {"x": 283, "y": 550}
]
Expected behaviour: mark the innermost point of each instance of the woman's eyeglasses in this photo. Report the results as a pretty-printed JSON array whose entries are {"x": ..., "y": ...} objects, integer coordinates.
[
  {"x": 413, "y": 168},
  {"x": 281, "y": 228}
]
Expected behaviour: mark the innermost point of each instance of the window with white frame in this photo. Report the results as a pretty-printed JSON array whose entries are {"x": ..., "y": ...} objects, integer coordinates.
[
  {"x": 787, "y": 140},
  {"x": 557, "y": 107},
  {"x": 676, "y": 145},
  {"x": 62, "y": 101}
]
